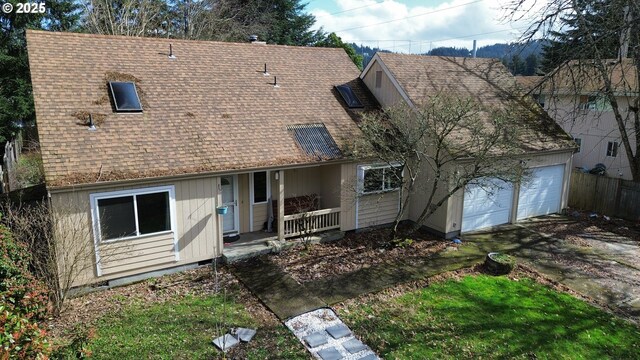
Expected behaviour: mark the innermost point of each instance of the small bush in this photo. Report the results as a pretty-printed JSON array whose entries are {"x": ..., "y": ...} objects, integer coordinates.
[{"x": 21, "y": 338}]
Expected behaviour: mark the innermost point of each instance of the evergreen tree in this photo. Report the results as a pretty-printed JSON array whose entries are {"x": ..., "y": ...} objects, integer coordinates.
[
  {"x": 591, "y": 31},
  {"x": 334, "y": 41},
  {"x": 16, "y": 100},
  {"x": 531, "y": 65}
]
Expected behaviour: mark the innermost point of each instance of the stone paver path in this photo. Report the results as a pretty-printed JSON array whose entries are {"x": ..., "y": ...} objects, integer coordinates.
[{"x": 326, "y": 337}]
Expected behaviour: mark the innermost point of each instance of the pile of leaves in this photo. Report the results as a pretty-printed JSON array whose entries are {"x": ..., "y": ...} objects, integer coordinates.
[
  {"x": 353, "y": 252},
  {"x": 24, "y": 304}
]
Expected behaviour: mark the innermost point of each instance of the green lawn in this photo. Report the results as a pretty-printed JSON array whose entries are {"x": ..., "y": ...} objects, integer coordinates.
[
  {"x": 490, "y": 318},
  {"x": 184, "y": 328}
]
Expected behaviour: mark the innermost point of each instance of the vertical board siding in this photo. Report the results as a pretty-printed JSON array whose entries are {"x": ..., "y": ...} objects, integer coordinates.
[
  {"x": 196, "y": 231},
  {"x": 259, "y": 216},
  {"x": 387, "y": 94},
  {"x": 348, "y": 208},
  {"x": 244, "y": 202},
  {"x": 605, "y": 195}
]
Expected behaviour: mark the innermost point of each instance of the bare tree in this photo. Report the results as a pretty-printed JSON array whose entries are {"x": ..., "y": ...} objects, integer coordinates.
[
  {"x": 60, "y": 243},
  {"x": 441, "y": 145},
  {"x": 126, "y": 17},
  {"x": 596, "y": 48}
]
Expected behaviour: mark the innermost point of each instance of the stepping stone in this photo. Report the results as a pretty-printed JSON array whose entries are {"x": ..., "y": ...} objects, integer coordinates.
[
  {"x": 354, "y": 345},
  {"x": 225, "y": 342},
  {"x": 339, "y": 331},
  {"x": 370, "y": 357},
  {"x": 245, "y": 335},
  {"x": 316, "y": 339},
  {"x": 330, "y": 354}
]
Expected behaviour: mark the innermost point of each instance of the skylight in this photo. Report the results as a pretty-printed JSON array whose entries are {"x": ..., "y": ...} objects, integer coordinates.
[
  {"x": 125, "y": 96},
  {"x": 349, "y": 97}
]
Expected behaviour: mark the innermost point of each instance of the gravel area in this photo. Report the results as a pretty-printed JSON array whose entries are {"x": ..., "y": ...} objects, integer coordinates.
[
  {"x": 315, "y": 324},
  {"x": 354, "y": 252}
]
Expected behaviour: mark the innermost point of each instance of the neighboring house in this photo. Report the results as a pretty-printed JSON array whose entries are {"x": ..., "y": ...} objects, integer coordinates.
[
  {"x": 547, "y": 150},
  {"x": 144, "y": 139},
  {"x": 572, "y": 96}
]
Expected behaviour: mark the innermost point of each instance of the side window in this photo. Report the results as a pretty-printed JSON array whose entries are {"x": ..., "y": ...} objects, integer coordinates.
[
  {"x": 132, "y": 214},
  {"x": 259, "y": 187},
  {"x": 612, "y": 149},
  {"x": 379, "y": 179},
  {"x": 579, "y": 143}
]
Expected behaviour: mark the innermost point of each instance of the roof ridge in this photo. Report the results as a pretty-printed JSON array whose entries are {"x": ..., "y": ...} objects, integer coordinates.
[{"x": 172, "y": 40}]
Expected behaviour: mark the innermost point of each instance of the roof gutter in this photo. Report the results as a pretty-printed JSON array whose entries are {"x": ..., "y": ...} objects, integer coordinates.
[{"x": 164, "y": 179}]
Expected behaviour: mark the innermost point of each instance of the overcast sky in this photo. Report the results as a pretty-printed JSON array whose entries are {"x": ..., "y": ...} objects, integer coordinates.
[{"x": 416, "y": 26}]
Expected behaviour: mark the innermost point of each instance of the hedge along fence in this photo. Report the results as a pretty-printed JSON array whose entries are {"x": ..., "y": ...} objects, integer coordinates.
[{"x": 23, "y": 304}]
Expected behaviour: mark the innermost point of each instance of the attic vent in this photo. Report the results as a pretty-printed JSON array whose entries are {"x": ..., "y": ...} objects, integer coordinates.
[
  {"x": 125, "y": 96},
  {"x": 349, "y": 96},
  {"x": 315, "y": 141}
]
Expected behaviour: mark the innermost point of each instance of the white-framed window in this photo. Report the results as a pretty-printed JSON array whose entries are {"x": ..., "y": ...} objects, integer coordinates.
[
  {"x": 612, "y": 149},
  {"x": 128, "y": 214},
  {"x": 579, "y": 143},
  {"x": 259, "y": 187},
  {"x": 375, "y": 179},
  {"x": 588, "y": 102}
]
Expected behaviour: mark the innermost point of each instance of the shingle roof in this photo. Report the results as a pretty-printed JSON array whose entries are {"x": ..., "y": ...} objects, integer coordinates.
[
  {"x": 485, "y": 80},
  {"x": 586, "y": 77},
  {"x": 209, "y": 109}
]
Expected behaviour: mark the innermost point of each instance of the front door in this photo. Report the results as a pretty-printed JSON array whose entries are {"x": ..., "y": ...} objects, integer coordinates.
[{"x": 230, "y": 200}]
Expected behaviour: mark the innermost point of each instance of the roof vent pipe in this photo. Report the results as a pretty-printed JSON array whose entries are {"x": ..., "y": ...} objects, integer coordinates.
[
  {"x": 275, "y": 82},
  {"x": 92, "y": 126},
  {"x": 171, "y": 56},
  {"x": 265, "y": 73},
  {"x": 475, "y": 49},
  {"x": 253, "y": 38}
]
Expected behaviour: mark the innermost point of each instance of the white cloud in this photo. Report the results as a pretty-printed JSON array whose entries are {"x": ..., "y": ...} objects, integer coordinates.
[{"x": 420, "y": 27}]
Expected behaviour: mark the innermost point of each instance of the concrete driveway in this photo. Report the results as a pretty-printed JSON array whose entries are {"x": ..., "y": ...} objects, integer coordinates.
[{"x": 606, "y": 269}]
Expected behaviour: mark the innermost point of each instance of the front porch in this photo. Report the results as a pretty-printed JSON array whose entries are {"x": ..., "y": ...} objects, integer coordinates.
[
  {"x": 258, "y": 243},
  {"x": 267, "y": 208}
]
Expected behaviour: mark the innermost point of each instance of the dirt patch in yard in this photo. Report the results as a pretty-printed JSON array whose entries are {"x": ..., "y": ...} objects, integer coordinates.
[
  {"x": 355, "y": 251},
  {"x": 89, "y": 308}
]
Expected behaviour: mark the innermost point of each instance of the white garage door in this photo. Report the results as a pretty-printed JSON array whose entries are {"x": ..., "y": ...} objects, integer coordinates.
[
  {"x": 542, "y": 194},
  {"x": 486, "y": 206}
]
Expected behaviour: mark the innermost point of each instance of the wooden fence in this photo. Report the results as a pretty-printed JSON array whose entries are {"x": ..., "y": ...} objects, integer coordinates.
[{"x": 605, "y": 195}]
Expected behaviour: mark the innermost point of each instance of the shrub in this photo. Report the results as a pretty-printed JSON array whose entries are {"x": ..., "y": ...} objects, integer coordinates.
[
  {"x": 29, "y": 170},
  {"x": 24, "y": 303}
]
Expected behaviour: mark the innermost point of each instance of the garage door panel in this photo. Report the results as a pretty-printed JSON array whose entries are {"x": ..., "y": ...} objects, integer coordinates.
[
  {"x": 487, "y": 206},
  {"x": 542, "y": 194}
]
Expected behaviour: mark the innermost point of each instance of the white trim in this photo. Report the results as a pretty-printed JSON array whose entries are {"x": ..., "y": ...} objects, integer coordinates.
[
  {"x": 251, "y": 190},
  {"x": 95, "y": 218},
  {"x": 236, "y": 213},
  {"x": 364, "y": 168}
]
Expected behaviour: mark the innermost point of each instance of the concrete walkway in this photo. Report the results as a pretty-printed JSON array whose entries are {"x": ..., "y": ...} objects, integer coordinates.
[
  {"x": 277, "y": 290},
  {"x": 604, "y": 273},
  {"x": 287, "y": 298}
]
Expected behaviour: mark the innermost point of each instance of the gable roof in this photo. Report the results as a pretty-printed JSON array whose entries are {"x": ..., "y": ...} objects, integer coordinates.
[
  {"x": 209, "y": 109},
  {"x": 419, "y": 77}
]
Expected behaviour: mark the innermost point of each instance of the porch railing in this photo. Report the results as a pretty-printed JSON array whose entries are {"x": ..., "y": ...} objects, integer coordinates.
[{"x": 311, "y": 222}]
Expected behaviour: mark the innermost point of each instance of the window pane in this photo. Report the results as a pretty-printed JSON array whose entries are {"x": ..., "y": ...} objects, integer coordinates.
[
  {"x": 373, "y": 180},
  {"x": 117, "y": 218},
  {"x": 260, "y": 187},
  {"x": 393, "y": 178},
  {"x": 153, "y": 212}
]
